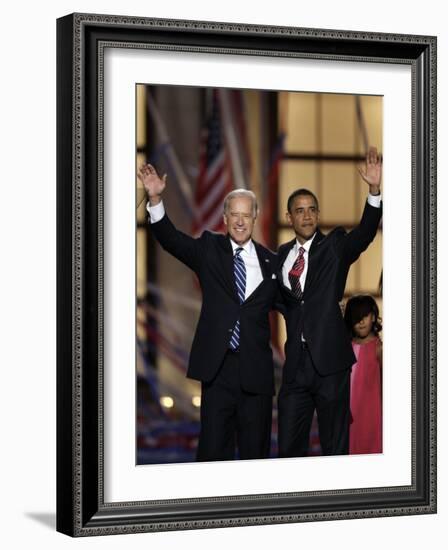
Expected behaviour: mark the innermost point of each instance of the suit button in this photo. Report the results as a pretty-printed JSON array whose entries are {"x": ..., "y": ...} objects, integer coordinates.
[
  {"x": 302, "y": 303},
  {"x": 230, "y": 330}
]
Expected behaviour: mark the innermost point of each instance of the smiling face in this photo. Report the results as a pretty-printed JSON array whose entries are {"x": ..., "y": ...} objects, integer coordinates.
[
  {"x": 239, "y": 219},
  {"x": 303, "y": 217}
]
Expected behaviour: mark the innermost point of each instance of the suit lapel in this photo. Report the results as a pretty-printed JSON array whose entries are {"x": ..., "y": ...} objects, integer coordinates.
[
  {"x": 283, "y": 254},
  {"x": 226, "y": 256},
  {"x": 264, "y": 261},
  {"x": 265, "y": 267},
  {"x": 312, "y": 260}
]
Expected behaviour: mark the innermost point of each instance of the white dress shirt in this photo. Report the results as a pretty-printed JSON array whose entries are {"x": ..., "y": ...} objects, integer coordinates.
[
  {"x": 253, "y": 271},
  {"x": 156, "y": 212},
  {"x": 291, "y": 258},
  {"x": 249, "y": 255}
]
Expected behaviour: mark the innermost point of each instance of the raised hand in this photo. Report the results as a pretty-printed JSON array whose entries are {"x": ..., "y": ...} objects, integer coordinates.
[
  {"x": 372, "y": 172},
  {"x": 154, "y": 186}
]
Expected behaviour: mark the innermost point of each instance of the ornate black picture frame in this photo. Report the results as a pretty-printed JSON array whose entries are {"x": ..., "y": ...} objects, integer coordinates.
[{"x": 81, "y": 509}]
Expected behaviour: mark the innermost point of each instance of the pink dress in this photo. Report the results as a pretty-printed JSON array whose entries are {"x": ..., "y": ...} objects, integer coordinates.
[{"x": 366, "y": 434}]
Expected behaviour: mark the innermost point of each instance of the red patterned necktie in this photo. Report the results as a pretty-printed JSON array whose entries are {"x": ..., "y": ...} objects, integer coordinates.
[{"x": 296, "y": 272}]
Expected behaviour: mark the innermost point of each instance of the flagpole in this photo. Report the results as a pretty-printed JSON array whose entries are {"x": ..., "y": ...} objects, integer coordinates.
[
  {"x": 172, "y": 158},
  {"x": 232, "y": 140}
]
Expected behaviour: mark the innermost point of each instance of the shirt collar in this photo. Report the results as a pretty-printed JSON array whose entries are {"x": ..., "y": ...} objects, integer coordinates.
[
  {"x": 306, "y": 245},
  {"x": 248, "y": 247}
]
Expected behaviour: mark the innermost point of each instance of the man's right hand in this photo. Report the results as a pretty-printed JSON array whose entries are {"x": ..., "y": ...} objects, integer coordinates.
[{"x": 154, "y": 186}]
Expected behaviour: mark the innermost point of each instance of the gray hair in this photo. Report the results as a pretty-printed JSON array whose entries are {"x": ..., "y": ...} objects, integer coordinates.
[{"x": 241, "y": 193}]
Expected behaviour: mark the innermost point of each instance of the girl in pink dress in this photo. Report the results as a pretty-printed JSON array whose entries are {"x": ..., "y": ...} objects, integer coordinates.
[{"x": 362, "y": 319}]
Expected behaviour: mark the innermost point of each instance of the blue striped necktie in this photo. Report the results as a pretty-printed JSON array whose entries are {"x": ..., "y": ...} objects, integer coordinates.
[{"x": 239, "y": 271}]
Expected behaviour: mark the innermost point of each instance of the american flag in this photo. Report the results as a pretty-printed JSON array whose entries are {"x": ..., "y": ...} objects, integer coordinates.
[{"x": 215, "y": 178}]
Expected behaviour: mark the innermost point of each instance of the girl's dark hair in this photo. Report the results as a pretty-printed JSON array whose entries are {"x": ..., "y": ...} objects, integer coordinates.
[{"x": 358, "y": 307}]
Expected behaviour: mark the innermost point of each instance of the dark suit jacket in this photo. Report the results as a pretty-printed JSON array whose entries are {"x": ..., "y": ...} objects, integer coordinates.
[
  {"x": 211, "y": 258},
  {"x": 317, "y": 315}
]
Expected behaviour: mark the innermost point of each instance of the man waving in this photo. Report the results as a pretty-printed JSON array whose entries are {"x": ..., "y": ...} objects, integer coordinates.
[{"x": 230, "y": 353}]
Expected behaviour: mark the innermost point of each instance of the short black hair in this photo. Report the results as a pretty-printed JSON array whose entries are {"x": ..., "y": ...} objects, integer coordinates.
[
  {"x": 299, "y": 192},
  {"x": 359, "y": 307}
]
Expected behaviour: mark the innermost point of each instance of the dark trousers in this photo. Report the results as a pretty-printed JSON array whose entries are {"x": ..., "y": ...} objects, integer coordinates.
[
  {"x": 297, "y": 401},
  {"x": 232, "y": 417}
]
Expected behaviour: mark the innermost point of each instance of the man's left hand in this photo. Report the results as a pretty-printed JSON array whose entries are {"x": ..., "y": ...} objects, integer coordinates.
[{"x": 372, "y": 172}]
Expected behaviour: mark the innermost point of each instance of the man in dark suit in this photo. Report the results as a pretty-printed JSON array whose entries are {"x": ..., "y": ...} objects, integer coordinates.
[
  {"x": 230, "y": 353},
  {"x": 313, "y": 269}
]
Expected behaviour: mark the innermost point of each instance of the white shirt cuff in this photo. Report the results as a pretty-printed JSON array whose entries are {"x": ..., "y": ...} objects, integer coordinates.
[
  {"x": 374, "y": 200},
  {"x": 156, "y": 212}
]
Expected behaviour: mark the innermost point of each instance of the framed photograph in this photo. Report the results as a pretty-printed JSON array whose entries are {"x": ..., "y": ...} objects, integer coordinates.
[{"x": 294, "y": 108}]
